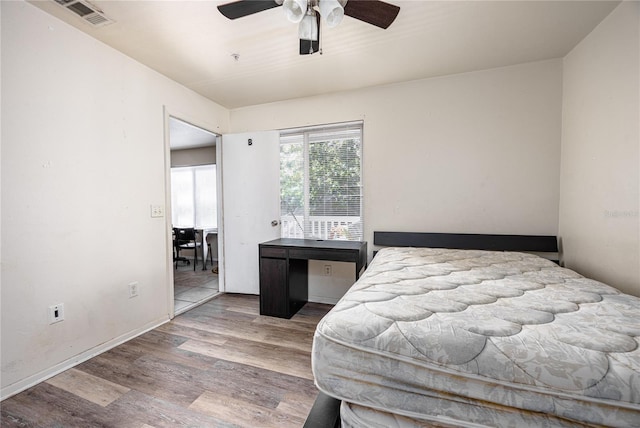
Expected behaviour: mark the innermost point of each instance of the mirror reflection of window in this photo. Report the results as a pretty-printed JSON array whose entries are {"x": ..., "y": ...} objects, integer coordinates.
[{"x": 193, "y": 196}]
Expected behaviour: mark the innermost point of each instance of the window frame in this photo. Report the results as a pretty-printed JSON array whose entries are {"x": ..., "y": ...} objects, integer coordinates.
[{"x": 313, "y": 134}]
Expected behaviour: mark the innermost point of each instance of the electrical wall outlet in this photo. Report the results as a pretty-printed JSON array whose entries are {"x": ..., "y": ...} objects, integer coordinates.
[
  {"x": 56, "y": 313},
  {"x": 157, "y": 211},
  {"x": 327, "y": 270},
  {"x": 133, "y": 289}
]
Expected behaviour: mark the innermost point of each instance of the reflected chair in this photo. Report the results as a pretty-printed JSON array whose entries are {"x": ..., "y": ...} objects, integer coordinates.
[
  {"x": 177, "y": 259},
  {"x": 208, "y": 238},
  {"x": 185, "y": 239}
]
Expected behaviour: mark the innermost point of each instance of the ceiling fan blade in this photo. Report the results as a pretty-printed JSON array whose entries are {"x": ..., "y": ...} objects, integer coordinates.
[
  {"x": 374, "y": 12},
  {"x": 240, "y": 8}
]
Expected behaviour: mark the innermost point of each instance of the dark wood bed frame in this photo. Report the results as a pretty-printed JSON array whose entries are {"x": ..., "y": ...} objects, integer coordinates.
[
  {"x": 325, "y": 412},
  {"x": 468, "y": 241}
]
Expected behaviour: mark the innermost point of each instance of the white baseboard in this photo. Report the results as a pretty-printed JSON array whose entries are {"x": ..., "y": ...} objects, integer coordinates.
[
  {"x": 35, "y": 379},
  {"x": 323, "y": 299}
]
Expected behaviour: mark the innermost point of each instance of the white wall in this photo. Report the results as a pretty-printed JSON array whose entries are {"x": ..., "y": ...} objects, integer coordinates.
[
  {"x": 476, "y": 152},
  {"x": 599, "y": 220},
  {"x": 83, "y": 159}
]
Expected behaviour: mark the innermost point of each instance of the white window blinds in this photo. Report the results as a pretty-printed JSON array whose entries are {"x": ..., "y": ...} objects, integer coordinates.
[{"x": 321, "y": 182}]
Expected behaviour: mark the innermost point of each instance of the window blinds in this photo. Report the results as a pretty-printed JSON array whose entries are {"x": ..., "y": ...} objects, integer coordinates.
[{"x": 321, "y": 182}]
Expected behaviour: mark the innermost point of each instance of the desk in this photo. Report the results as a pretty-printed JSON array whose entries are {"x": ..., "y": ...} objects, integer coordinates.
[{"x": 284, "y": 270}]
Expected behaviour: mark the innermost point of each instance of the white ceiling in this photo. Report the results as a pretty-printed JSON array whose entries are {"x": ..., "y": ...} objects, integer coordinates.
[
  {"x": 183, "y": 135},
  {"x": 192, "y": 43}
]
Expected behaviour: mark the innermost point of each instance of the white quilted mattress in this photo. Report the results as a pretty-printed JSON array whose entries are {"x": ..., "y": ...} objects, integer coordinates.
[{"x": 472, "y": 338}]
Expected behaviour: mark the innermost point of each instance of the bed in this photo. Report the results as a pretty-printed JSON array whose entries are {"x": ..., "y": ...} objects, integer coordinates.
[{"x": 473, "y": 330}]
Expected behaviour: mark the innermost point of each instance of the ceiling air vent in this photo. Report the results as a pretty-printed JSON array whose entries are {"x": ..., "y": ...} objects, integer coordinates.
[{"x": 86, "y": 11}]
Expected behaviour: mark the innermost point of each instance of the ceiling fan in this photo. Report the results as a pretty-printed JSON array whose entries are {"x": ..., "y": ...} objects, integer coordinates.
[{"x": 305, "y": 13}]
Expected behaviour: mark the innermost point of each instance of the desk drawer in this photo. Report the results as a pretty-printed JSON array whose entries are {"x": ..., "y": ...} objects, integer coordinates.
[
  {"x": 322, "y": 254},
  {"x": 279, "y": 253}
]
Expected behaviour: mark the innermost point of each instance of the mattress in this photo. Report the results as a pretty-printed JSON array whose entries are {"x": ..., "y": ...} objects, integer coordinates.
[{"x": 480, "y": 338}]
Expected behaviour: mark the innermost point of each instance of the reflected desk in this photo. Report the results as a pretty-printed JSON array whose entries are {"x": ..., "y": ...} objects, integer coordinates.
[{"x": 284, "y": 270}]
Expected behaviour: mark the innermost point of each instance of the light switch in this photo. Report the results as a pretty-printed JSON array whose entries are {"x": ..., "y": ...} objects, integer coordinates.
[{"x": 157, "y": 211}]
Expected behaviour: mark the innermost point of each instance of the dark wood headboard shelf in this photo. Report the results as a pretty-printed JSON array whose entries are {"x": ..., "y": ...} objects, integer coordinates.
[{"x": 468, "y": 241}]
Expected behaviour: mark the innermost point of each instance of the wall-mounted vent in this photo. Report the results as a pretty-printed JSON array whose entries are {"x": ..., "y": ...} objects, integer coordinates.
[{"x": 86, "y": 11}]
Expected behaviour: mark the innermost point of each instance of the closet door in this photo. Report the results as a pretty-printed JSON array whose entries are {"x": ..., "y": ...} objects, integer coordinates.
[{"x": 250, "y": 204}]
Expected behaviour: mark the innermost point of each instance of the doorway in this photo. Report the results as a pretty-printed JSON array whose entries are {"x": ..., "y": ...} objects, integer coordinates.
[{"x": 194, "y": 205}]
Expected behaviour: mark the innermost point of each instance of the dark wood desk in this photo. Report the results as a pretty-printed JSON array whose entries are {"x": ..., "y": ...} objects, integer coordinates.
[{"x": 284, "y": 270}]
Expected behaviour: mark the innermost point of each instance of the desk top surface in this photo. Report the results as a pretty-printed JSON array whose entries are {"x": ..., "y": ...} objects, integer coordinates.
[{"x": 316, "y": 243}]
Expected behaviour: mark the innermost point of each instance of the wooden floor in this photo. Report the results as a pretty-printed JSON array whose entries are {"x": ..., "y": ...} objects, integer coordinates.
[{"x": 218, "y": 365}]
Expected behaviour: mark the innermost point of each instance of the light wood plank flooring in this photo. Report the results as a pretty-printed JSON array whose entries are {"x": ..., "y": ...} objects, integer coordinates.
[{"x": 218, "y": 365}]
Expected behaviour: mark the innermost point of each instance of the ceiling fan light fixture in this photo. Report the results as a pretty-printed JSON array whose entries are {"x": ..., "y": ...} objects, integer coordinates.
[
  {"x": 375, "y": 12},
  {"x": 294, "y": 10},
  {"x": 332, "y": 12},
  {"x": 308, "y": 27}
]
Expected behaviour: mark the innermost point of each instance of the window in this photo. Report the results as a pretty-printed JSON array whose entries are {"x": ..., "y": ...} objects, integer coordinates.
[
  {"x": 193, "y": 196},
  {"x": 320, "y": 182}
]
